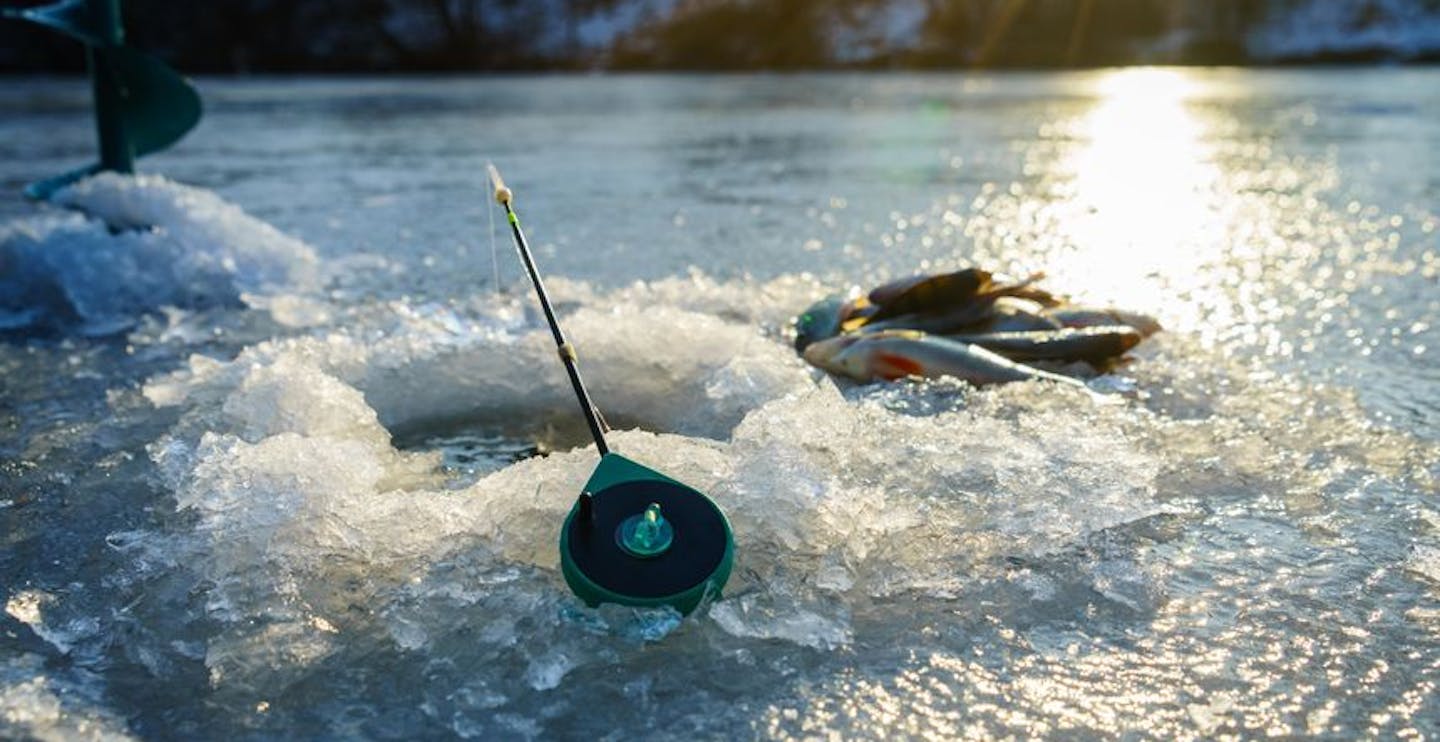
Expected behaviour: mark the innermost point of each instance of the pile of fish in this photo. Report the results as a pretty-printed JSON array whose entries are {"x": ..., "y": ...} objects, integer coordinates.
[{"x": 969, "y": 325}]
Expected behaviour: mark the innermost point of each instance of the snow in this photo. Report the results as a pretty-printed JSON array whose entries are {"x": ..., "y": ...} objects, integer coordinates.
[
  {"x": 285, "y": 456},
  {"x": 131, "y": 246}
]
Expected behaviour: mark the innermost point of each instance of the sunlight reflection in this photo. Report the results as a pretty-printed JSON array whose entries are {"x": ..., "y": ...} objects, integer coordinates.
[{"x": 1141, "y": 214}]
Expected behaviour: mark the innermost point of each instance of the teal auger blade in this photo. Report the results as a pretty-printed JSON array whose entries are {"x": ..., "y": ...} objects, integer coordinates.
[
  {"x": 157, "y": 105},
  {"x": 148, "y": 106},
  {"x": 42, "y": 190},
  {"x": 141, "y": 104},
  {"x": 70, "y": 17}
]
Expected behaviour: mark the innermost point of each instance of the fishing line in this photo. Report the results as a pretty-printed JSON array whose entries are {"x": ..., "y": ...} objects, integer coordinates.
[{"x": 494, "y": 252}]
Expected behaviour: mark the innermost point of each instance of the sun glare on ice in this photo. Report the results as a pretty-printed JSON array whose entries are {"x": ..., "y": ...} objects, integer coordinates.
[{"x": 1139, "y": 213}]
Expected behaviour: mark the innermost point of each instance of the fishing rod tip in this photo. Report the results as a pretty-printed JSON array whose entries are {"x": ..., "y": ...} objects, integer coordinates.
[{"x": 502, "y": 194}]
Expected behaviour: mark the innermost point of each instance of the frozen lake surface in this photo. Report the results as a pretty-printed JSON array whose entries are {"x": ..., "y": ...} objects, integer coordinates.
[{"x": 270, "y": 464}]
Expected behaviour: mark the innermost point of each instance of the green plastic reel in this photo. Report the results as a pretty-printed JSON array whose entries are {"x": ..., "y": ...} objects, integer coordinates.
[{"x": 636, "y": 537}]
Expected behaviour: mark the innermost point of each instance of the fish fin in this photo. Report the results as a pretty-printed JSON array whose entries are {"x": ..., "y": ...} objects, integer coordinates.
[
  {"x": 888, "y": 291},
  {"x": 855, "y": 313},
  {"x": 859, "y": 306},
  {"x": 1023, "y": 289},
  {"x": 892, "y": 366},
  {"x": 933, "y": 293}
]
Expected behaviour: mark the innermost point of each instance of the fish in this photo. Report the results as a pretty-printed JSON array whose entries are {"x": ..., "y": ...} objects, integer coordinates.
[
  {"x": 1005, "y": 314},
  {"x": 970, "y": 290},
  {"x": 897, "y": 354},
  {"x": 829, "y": 317},
  {"x": 820, "y": 321},
  {"x": 1071, "y": 315},
  {"x": 1094, "y": 345},
  {"x": 959, "y": 318},
  {"x": 947, "y": 303},
  {"x": 972, "y": 305},
  {"x": 917, "y": 293},
  {"x": 1013, "y": 314}
]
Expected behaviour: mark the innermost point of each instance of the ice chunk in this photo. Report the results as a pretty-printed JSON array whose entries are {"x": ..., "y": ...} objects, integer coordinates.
[
  {"x": 547, "y": 670},
  {"x": 304, "y": 508},
  {"x": 1425, "y": 561},
  {"x": 24, "y": 606},
  {"x": 775, "y": 617},
  {"x": 142, "y": 243},
  {"x": 39, "y": 704},
  {"x": 292, "y": 396},
  {"x": 655, "y": 367},
  {"x": 61, "y": 630}
]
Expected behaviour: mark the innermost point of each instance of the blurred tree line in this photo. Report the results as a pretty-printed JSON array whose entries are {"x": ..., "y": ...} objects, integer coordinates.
[
  {"x": 313, "y": 35},
  {"x": 789, "y": 34},
  {"x": 237, "y": 36}
]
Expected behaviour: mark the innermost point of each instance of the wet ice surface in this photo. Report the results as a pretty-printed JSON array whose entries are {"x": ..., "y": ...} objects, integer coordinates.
[{"x": 313, "y": 513}]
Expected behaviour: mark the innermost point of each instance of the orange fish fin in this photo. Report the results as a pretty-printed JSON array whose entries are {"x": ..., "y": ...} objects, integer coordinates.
[{"x": 890, "y": 366}]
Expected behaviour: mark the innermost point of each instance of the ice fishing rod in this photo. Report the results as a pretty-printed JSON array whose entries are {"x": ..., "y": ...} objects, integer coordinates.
[
  {"x": 566, "y": 350},
  {"x": 634, "y": 536}
]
